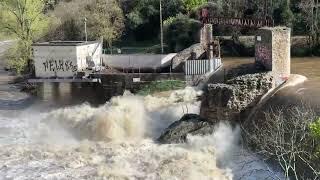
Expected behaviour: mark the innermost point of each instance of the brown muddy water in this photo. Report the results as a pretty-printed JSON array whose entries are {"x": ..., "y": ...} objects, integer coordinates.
[{"x": 309, "y": 67}]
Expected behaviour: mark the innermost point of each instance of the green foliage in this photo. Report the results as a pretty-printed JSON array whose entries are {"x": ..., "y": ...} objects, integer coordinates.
[
  {"x": 284, "y": 136},
  {"x": 143, "y": 13},
  {"x": 17, "y": 58},
  {"x": 181, "y": 32},
  {"x": 69, "y": 20},
  {"x": 50, "y": 4},
  {"x": 105, "y": 18},
  {"x": 287, "y": 16},
  {"x": 172, "y": 8},
  {"x": 143, "y": 16},
  {"x": 215, "y": 9},
  {"x": 315, "y": 128},
  {"x": 72, "y": 29},
  {"x": 26, "y": 21},
  {"x": 143, "y": 20},
  {"x": 5, "y": 36},
  {"x": 192, "y": 4},
  {"x": 160, "y": 86}
]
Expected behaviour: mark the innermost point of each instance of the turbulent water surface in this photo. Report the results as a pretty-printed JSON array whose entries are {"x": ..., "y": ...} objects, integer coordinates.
[{"x": 116, "y": 140}]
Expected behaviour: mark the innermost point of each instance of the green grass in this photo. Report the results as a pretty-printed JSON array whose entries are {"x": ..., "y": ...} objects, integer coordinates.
[{"x": 160, "y": 86}]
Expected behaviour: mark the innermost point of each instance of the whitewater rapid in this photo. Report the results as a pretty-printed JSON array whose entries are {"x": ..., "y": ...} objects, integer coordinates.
[{"x": 117, "y": 141}]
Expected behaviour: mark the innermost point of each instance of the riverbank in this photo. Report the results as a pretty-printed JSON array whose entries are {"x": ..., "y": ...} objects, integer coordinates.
[
  {"x": 11, "y": 97},
  {"x": 244, "y": 46}
]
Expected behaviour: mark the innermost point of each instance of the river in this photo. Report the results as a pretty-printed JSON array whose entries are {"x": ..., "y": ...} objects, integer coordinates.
[
  {"x": 115, "y": 140},
  {"x": 306, "y": 66}
]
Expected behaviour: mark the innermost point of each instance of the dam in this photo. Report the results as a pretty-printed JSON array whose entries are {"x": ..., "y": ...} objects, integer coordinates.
[
  {"x": 159, "y": 90},
  {"x": 24, "y": 150},
  {"x": 61, "y": 135}
]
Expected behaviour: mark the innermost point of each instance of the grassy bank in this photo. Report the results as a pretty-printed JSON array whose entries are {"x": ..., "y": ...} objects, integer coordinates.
[{"x": 160, "y": 86}]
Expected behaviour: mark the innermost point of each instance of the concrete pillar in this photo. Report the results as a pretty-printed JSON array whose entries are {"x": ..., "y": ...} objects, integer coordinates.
[
  {"x": 40, "y": 90},
  {"x": 47, "y": 91},
  {"x": 272, "y": 51},
  {"x": 210, "y": 56},
  {"x": 206, "y": 35},
  {"x": 65, "y": 92},
  {"x": 55, "y": 90}
]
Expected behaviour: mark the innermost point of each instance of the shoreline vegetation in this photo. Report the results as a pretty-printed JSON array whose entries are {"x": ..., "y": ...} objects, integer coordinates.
[
  {"x": 243, "y": 46},
  {"x": 161, "y": 86}
]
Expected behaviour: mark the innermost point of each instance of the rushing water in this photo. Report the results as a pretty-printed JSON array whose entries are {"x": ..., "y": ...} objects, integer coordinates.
[{"x": 115, "y": 140}]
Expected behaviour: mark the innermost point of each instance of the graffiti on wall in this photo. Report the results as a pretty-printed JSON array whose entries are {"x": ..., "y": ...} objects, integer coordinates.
[
  {"x": 263, "y": 55},
  {"x": 53, "y": 65}
]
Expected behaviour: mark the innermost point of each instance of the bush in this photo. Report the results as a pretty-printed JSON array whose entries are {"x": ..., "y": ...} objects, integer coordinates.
[
  {"x": 181, "y": 32},
  {"x": 315, "y": 128},
  {"x": 287, "y": 17},
  {"x": 18, "y": 57},
  {"x": 160, "y": 86},
  {"x": 285, "y": 138},
  {"x": 27, "y": 23},
  {"x": 193, "y": 4}
]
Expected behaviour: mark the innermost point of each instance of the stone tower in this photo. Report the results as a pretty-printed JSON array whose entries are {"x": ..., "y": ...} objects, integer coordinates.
[{"x": 272, "y": 51}]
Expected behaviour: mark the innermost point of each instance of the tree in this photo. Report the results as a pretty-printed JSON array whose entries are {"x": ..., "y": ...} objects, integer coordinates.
[
  {"x": 50, "y": 4},
  {"x": 26, "y": 21},
  {"x": 287, "y": 16},
  {"x": 143, "y": 18},
  {"x": 192, "y": 4},
  {"x": 181, "y": 32},
  {"x": 172, "y": 8},
  {"x": 105, "y": 18},
  {"x": 310, "y": 12},
  {"x": 69, "y": 20}
]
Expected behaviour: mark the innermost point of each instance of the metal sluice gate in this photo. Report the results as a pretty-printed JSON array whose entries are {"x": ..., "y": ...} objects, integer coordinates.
[{"x": 201, "y": 67}]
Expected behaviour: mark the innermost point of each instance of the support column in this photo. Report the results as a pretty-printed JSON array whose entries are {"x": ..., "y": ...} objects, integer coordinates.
[
  {"x": 272, "y": 52},
  {"x": 206, "y": 35}
]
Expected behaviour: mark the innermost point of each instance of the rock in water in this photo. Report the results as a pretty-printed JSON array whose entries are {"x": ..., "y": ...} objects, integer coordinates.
[
  {"x": 228, "y": 102},
  {"x": 191, "y": 124}
]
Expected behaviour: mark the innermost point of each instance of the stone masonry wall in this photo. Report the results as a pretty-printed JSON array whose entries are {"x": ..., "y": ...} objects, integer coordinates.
[
  {"x": 272, "y": 51},
  {"x": 281, "y": 54},
  {"x": 206, "y": 35},
  {"x": 263, "y": 49},
  {"x": 227, "y": 102}
]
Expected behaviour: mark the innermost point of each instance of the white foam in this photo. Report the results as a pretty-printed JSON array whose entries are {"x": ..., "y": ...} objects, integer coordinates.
[{"x": 113, "y": 141}]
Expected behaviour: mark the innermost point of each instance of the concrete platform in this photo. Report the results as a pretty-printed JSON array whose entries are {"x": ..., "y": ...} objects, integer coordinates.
[{"x": 94, "y": 80}]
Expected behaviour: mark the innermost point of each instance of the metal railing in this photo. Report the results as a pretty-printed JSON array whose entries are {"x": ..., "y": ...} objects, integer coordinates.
[{"x": 201, "y": 67}]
